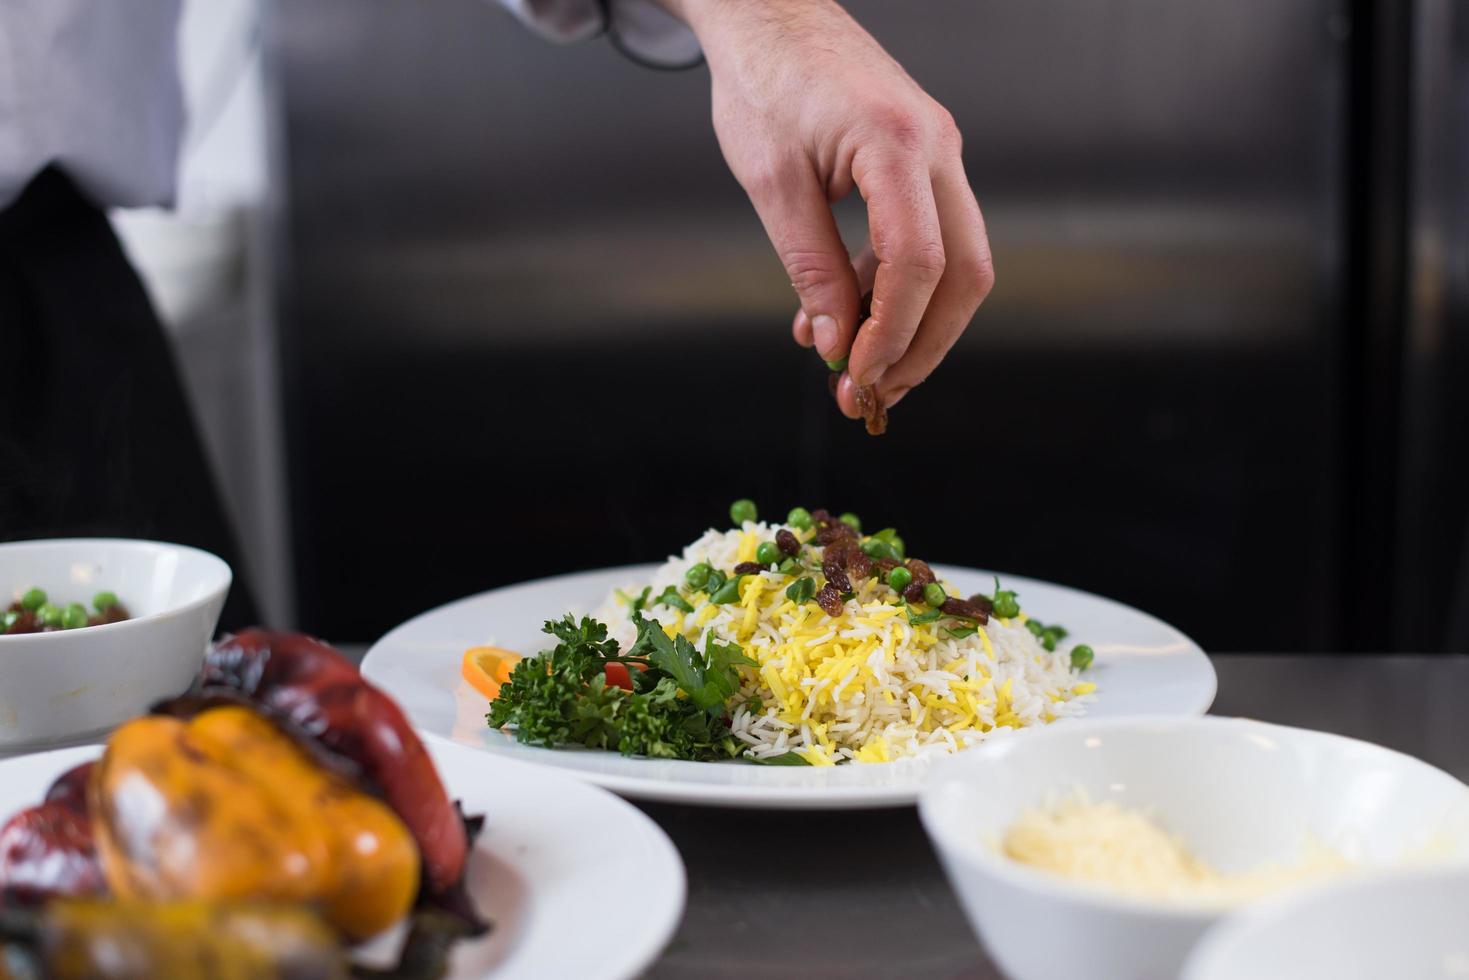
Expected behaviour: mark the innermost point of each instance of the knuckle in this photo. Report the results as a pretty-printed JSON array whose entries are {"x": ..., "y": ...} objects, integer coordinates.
[
  {"x": 899, "y": 124},
  {"x": 807, "y": 267},
  {"x": 947, "y": 130},
  {"x": 983, "y": 277},
  {"x": 924, "y": 261},
  {"x": 762, "y": 181}
]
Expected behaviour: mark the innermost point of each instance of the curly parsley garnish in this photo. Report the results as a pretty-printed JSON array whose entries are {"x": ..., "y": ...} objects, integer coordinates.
[{"x": 676, "y": 709}]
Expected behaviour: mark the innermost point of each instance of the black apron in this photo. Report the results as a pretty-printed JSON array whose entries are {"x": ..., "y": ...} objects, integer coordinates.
[{"x": 96, "y": 435}]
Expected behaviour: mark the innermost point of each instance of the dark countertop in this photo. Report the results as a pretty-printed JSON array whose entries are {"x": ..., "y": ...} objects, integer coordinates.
[{"x": 860, "y": 893}]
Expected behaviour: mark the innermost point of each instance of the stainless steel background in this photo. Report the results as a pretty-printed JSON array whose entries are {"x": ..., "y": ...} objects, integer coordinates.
[{"x": 531, "y": 323}]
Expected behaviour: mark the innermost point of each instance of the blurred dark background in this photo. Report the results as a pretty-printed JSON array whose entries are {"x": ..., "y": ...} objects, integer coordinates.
[{"x": 530, "y": 324}]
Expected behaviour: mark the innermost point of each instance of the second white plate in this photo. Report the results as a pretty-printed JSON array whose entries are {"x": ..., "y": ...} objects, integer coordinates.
[
  {"x": 534, "y": 873},
  {"x": 1143, "y": 666}
]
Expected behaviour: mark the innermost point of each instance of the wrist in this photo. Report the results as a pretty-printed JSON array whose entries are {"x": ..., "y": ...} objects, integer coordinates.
[{"x": 699, "y": 15}]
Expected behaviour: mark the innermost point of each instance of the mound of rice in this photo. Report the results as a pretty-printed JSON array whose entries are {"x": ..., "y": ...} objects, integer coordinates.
[{"x": 866, "y": 686}]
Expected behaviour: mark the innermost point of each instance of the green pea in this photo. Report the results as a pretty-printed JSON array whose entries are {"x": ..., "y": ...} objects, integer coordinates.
[
  {"x": 1081, "y": 656},
  {"x": 768, "y": 553},
  {"x": 696, "y": 577},
  {"x": 838, "y": 366},
  {"x": 728, "y": 592},
  {"x": 1005, "y": 603},
  {"x": 1050, "y": 636},
  {"x": 890, "y": 535},
  {"x": 104, "y": 601},
  {"x": 799, "y": 517},
  {"x": 877, "y": 548},
  {"x": 900, "y": 578},
  {"x": 74, "y": 616},
  {"x": 791, "y": 567},
  {"x": 743, "y": 510},
  {"x": 1060, "y": 631},
  {"x": 34, "y": 599},
  {"x": 1035, "y": 627},
  {"x": 933, "y": 594},
  {"x": 8, "y": 620},
  {"x": 852, "y": 521},
  {"x": 716, "y": 581},
  {"x": 49, "y": 614}
]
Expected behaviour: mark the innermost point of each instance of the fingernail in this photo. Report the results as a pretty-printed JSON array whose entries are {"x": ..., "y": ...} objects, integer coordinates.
[
  {"x": 874, "y": 375},
  {"x": 824, "y": 329}
]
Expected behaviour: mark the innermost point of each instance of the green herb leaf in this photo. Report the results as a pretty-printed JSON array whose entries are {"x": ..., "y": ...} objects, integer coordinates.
[
  {"x": 709, "y": 680},
  {"x": 921, "y": 618},
  {"x": 716, "y": 581},
  {"x": 788, "y": 759},
  {"x": 801, "y": 590},
  {"x": 726, "y": 593},
  {"x": 635, "y": 604},
  {"x": 670, "y": 597},
  {"x": 961, "y": 632}
]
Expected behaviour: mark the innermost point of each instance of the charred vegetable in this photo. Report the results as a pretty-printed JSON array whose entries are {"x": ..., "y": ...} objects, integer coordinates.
[
  {"x": 80, "y": 939},
  {"x": 314, "y": 690},
  {"x": 48, "y": 849},
  {"x": 227, "y": 807},
  {"x": 243, "y": 830}
]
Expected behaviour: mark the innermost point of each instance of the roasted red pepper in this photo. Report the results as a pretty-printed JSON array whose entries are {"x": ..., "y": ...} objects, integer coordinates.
[
  {"x": 313, "y": 689},
  {"x": 48, "y": 850}
]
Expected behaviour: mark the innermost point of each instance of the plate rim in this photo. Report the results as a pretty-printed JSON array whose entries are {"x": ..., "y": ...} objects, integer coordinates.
[{"x": 656, "y": 790}]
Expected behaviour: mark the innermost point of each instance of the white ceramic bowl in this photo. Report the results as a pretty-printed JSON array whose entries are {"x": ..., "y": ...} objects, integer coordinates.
[
  {"x": 1393, "y": 925},
  {"x": 73, "y": 684},
  {"x": 1238, "y": 793}
]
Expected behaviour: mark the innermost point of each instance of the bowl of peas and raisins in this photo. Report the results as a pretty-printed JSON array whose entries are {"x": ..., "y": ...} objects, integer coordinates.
[{"x": 36, "y": 612}]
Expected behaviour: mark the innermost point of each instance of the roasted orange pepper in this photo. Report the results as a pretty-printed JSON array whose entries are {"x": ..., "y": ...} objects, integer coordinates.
[{"x": 226, "y": 806}]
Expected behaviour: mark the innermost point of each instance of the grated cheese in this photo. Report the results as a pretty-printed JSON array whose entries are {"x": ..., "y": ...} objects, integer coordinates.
[{"x": 1126, "y": 851}]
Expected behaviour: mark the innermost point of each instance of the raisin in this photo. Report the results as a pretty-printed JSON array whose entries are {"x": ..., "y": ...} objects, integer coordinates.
[
  {"x": 859, "y": 565},
  {"x": 983, "y": 602},
  {"x": 821, "y": 516},
  {"x": 874, "y": 413},
  {"x": 885, "y": 565},
  {"x": 748, "y": 568},
  {"x": 966, "y": 609},
  {"x": 840, "y": 550},
  {"x": 834, "y": 532},
  {"x": 922, "y": 574},
  {"x": 830, "y": 600},
  {"x": 836, "y": 576},
  {"x": 914, "y": 592},
  {"x": 787, "y": 542}
]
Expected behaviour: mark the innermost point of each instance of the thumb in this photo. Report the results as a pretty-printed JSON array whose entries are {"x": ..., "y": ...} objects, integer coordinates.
[{"x": 798, "y": 219}]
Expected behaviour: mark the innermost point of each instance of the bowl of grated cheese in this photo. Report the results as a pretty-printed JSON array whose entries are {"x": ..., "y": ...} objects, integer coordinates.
[{"x": 1106, "y": 849}]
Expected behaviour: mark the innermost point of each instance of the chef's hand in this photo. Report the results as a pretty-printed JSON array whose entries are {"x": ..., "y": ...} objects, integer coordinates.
[{"x": 806, "y": 106}]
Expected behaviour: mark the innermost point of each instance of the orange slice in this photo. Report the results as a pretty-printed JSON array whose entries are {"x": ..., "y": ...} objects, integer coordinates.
[{"x": 486, "y": 668}]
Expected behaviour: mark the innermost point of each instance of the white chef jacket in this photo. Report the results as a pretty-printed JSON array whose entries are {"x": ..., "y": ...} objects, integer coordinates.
[{"x": 92, "y": 86}]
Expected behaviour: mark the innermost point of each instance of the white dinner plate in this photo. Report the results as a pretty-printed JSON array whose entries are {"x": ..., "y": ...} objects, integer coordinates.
[
  {"x": 563, "y": 902},
  {"x": 1142, "y": 666}
]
